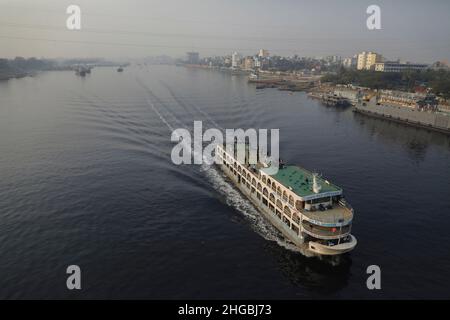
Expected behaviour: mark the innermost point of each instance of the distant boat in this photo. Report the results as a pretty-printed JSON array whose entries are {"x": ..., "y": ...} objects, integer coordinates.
[
  {"x": 82, "y": 71},
  {"x": 120, "y": 69}
]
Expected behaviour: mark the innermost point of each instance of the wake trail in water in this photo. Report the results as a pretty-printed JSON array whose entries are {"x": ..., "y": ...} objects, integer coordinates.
[
  {"x": 126, "y": 123},
  {"x": 185, "y": 105},
  {"x": 161, "y": 117},
  {"x": 234, "y": 198},
  {"x": 237, "y": 200},
  {"x": 159, "y": 101}
]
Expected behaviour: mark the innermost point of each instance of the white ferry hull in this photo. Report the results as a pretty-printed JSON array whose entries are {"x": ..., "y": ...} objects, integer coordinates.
[
  {"x": 312, "y": 234},
  {"x": 277, "y": 223},
  {"x": 320, "y": 249}
]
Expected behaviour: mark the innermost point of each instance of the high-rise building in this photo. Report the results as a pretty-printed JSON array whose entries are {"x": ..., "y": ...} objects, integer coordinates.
[
  {"x": 263, "y": 53},
  {"x": 192, "y": 57},
  {"x": 367, "y": 60},
  {"x": 249, "y": 63},
  {"x": 257, "y": 61},
  {"x": 350, "y": 62},
  {"x": 235, "y": 60}
]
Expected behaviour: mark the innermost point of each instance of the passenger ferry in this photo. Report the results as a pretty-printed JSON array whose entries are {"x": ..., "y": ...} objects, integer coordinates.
[{"x": 309, "y": 211}]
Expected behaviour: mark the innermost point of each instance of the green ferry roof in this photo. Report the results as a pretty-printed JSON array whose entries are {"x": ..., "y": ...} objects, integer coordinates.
[{"x": 301, "y": 181}]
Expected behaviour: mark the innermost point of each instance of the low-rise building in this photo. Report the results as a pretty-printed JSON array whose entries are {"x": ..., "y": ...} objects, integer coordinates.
[
  {"x": 192, "y": 57},
  {"x": 399, "y": 67},
  {"x": 350, "y": 62},
  {"x": 400, "y": 98},
  {"x": 249, "y": 63},
  {"x": 351, "y": 95}
]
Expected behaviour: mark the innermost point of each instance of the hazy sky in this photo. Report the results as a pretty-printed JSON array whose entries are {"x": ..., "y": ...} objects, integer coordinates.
[{"x": 411, "y": 30}]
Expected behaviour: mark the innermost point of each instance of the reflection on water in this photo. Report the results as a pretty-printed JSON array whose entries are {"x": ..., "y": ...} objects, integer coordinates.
[
  {"x": 415, "y": 140},
  {"x": 322, "y": 275}
]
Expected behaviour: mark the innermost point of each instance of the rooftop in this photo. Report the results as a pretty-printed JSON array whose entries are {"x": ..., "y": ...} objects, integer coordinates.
[{"x": 301, "y": 181}]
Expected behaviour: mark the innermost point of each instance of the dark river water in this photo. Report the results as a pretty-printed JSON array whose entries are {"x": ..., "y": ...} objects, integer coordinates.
[{"x": 86, "y": 179}]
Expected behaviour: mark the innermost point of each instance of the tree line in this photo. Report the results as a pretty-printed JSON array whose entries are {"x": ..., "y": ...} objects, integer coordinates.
[{"x": 437, "y": 80}]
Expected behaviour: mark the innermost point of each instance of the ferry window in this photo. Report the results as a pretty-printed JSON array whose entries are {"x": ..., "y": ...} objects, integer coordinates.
[
  {"x": 254, "y": 182},
  {"x": 279, "y": 191},
  {"x": 274, "y": 187},
  {"x": 264, "y": 200},
  {"x": 291, "y": 200},
  {"x": 272, "y": 198},
  {"x": 265, "y": 192},
  {"x": 285, "y": 196},
  {"x": 294, "y": 228},
  {"x": 279, "y": 204},
  {"x": 320, "y": 200},
  {"x": 336, "y": 198},
  {"x": 264, "y": 179},
  {"x": 253, "y": 190},
  {"x": 259, "y": 186},
  {"x": 258, "y": 195},
  {"x": 269, "y": 182},
  {"x": 287, "y": 211}
]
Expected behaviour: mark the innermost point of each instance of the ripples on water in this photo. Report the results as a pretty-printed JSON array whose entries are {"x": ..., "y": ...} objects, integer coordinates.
[{"x": 86, "y": 179}]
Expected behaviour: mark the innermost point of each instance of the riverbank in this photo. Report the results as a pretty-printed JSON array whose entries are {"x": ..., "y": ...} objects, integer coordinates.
[
  {"x": 430, "y": 120},
  {"x": 8, "y": 76}
]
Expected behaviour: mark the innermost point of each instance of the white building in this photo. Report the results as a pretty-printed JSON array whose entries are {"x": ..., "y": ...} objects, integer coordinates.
[
  {"x": 235, "y": 60},
  {"x": 399, "y": 67},
  {"x": 367, "y": 60},
  {"x": 263, "y": 53},
  {"x": 257, "y": 62},
  {"x": 350, "y": 62}
]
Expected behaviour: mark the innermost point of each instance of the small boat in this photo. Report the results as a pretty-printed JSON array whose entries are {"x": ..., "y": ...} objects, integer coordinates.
[
  {"x": 120, "y": 69},
  {"x": 82, "y": 71}
]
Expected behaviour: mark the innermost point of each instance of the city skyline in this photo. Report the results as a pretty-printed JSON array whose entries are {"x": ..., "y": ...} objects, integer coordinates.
[{"x": 322, "y": 28}]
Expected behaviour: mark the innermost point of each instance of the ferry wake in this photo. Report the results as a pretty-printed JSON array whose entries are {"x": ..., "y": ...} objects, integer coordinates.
[{"x": 308, "y": 210}]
